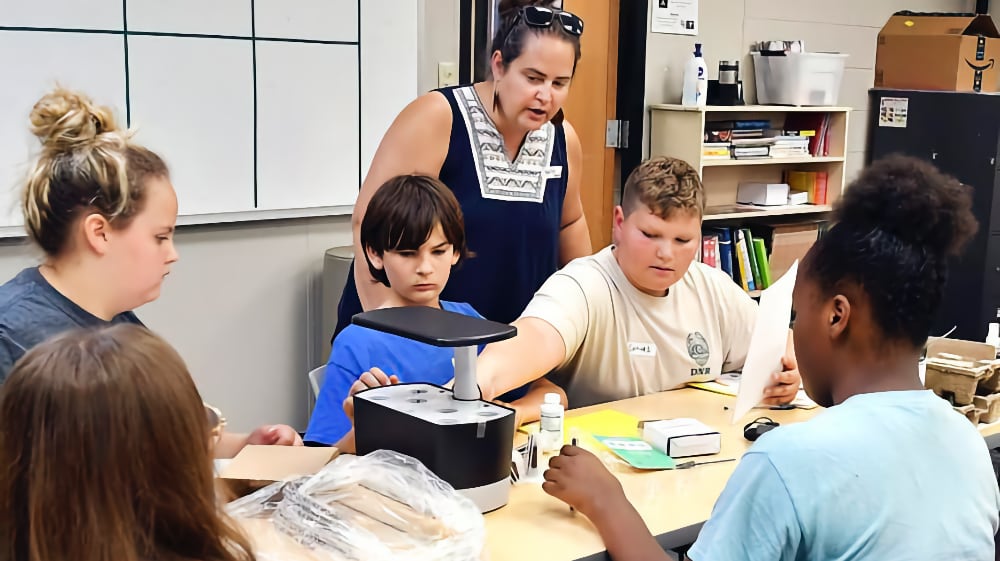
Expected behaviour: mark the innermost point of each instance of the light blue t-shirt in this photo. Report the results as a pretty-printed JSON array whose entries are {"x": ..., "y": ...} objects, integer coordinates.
[
  {"x": 356, "y": 350},
  {"x": 888, "y": 475}
]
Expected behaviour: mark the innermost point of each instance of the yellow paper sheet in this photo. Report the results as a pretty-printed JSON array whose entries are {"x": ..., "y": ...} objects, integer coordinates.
[
  {"x": 715, "y": 387},
  {"x": 607, "y": 422}
]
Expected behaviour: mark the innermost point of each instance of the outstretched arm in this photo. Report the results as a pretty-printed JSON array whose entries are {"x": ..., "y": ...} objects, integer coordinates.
[{"x": 535, "y": 351}]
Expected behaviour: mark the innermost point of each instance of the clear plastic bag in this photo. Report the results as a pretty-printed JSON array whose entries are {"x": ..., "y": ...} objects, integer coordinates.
[{"x": 383, "y": 506}]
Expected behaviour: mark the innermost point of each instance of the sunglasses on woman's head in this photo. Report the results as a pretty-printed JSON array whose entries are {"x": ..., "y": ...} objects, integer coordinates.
[{"x": 537, "y": 16}]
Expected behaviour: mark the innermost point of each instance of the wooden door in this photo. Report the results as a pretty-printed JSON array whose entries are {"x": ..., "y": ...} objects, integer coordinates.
[{"x": 590, "y": 105}]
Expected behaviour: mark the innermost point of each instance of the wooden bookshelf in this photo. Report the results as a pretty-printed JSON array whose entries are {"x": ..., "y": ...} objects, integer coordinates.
[
  {"x": 677, "y": 130},
  {"x": 771, "y": 161},
  {"x": 730, "y": 212}
]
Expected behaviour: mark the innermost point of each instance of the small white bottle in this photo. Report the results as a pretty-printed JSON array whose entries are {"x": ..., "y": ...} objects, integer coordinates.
[
  {"x": 551, "y": 423},
  {"x": 993, "y": 337},
  {"x": 695, "y": 91}
]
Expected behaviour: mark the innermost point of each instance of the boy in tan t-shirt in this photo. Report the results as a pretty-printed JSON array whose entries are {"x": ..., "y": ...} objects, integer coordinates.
[{"x": 639, "y": 316}]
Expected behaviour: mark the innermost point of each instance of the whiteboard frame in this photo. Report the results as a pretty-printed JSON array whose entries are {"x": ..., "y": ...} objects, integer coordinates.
[{"x": 389, "y": 19}]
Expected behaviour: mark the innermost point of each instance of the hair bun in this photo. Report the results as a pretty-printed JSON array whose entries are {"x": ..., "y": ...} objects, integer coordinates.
[
  {"x": 63, "y": 119},
  {"x": 910, "y": 199}
]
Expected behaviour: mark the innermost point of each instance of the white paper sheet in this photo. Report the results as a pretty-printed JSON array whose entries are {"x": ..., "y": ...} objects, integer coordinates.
[
  {"x": 678, "y": 17},
  {"x": 767, "y": 344}
]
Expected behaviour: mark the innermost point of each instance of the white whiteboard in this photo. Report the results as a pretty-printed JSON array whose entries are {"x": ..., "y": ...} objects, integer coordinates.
[{"x": 261, "y": 108}]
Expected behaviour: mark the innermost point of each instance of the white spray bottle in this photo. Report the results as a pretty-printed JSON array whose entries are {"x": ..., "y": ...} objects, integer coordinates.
[{"x": 695, "y": 92}]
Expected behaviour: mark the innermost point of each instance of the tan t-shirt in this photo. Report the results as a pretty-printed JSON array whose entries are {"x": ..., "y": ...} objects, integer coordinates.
[{"x": 621, "y": 342}]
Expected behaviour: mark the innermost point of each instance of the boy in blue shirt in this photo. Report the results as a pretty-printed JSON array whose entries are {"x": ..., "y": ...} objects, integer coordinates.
[
  {"x": 413, "y": 234},
  {"x": 890, "y": 471}
]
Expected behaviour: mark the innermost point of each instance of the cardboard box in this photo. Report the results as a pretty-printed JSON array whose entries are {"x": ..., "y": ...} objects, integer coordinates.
[
  {"x": 789, "y": 242},
  {"x": 256, "y": 465},
  {"x": 763, "y": 194},
  {"x": 969, "y": 412},
  {"x": 681, "y": 438},
  {"x": 938, "y": 52},
  {"x": 954, "y": 368},
  {"x": 989, "y": 406}
]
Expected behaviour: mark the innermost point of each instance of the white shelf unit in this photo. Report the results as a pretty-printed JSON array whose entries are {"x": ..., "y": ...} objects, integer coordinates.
[{"x": 678, "y": 131}]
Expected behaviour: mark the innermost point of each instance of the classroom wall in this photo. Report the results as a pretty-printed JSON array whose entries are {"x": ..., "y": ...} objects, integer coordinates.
[
  {"x": 243, "y": 303},
  {"x": 728, "y": 27}
]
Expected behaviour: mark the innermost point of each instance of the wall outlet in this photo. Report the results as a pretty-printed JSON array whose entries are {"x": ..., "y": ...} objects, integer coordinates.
[{"x": 447, "y": 74}]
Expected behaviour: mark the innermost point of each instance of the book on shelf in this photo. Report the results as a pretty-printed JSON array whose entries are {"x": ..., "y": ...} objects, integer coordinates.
[
  {"x": 709, "y": 250},
  {"x": 751, "y": 152},
  {"x": 816, "y": 123},
  {"x": 751, "y": 124},
  {"x": 724, "y": 248},
  {"x": 798, "y": 197},
  {"x": 715, "y": 150},
  {"x": 760, "y": 255},
  {"x": 753, "y": 254},
  {"x": 724, "y": 131},
  {"x": 752, "y": 259},
  {"x": 751, "y": 142},
  {"x": 790, "y": 152},
  {"x": 789, "y": 146},
  {"x": 746, "y": 273},
  {"x": 812, "y": 182}
]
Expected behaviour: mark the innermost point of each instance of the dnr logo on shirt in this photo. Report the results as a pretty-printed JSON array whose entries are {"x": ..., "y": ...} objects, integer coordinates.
[{"x": 697, "y": 348}]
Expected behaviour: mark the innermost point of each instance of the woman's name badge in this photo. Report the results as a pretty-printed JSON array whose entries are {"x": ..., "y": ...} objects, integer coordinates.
[{"x": 551, "y": 172}]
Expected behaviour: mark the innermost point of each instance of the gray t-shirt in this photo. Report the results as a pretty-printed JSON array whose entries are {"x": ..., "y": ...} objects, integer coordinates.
[{"x": 31, "y": 311}]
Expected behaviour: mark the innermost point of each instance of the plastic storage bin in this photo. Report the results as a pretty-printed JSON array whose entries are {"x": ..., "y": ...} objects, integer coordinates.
[{"x": 798, "y": 78}]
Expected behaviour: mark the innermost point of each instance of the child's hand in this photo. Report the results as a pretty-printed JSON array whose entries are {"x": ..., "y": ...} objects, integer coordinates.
[
  {"x": 579, "y": 479},
  {"x": 275, "y": 435},
  {"x": 371, "y": 379}
]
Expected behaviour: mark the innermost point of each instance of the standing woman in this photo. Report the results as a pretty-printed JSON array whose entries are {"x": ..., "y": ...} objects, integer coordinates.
[{"x": 514, "y": 164}]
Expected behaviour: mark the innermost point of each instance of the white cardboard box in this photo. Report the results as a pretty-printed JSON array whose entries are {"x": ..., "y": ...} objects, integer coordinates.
[
  {"x": 764, "y": 194},
  {"x": 680, "y": 438}
]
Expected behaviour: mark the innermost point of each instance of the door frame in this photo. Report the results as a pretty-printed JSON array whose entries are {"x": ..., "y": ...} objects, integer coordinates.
[{"x": 631, "y": 97}]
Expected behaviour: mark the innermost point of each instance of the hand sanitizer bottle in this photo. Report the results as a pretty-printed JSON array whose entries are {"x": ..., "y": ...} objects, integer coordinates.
[
  {"x": 551, "y": 423},
  {"x": 695, "y": 92}
]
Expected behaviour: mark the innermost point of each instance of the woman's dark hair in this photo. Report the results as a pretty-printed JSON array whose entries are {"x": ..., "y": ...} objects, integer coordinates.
[
  {"x": 512, "y": 31},
  {"x": 402, "y": 215},
  {"x": 895, "y": 228}
]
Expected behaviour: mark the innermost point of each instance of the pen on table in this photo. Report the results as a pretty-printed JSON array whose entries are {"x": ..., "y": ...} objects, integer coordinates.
[
  {"x": 573, "y": 441},
  {"x": 692, "y": 463}
]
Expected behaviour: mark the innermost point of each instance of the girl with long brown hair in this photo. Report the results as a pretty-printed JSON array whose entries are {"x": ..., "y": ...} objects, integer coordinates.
[{"x": 106, "y": 455}]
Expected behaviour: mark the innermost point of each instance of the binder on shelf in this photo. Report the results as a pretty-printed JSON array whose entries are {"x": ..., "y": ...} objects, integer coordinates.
[
  {"x": 754, "y": 269},
  {"x": 760, "y": 253},
  {"x": 746, "y": 273},
  {"x": 724, "y": 248}
]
